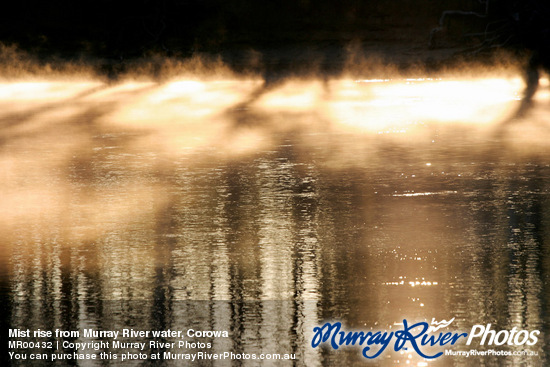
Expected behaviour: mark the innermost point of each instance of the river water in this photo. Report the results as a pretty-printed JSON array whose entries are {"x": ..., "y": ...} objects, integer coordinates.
[{"x": 207, "y": 205}]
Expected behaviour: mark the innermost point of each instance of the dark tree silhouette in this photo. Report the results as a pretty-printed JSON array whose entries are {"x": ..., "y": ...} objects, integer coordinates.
[{"x": 522, "y": 26}]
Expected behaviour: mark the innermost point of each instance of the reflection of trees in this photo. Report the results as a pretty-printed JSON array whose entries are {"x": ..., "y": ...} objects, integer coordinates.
[
  {"x": 503, "y": 279},
  {"x": 526, "y": 274},
  {"x": 271, "y": 244}
]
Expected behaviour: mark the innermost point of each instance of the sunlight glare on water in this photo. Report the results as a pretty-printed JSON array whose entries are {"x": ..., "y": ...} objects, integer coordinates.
[
  {"x": 43, "y": 90},
  {"x": 294, "y": 97},
  {"x": 370, "y": 105},
  {"x": 397, "y": 105}
]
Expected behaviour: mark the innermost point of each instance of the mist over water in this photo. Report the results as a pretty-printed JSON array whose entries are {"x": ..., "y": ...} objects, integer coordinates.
[{"x": 224, "y": 204}]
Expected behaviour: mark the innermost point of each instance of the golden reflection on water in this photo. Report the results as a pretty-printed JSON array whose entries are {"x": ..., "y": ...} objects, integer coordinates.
[
  {"x": 278, "y": 207},
  {"x": 401, "y": 105}
]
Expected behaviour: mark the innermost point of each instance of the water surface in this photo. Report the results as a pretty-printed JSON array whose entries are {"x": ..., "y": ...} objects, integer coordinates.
[{"x": 208, "y": 205}]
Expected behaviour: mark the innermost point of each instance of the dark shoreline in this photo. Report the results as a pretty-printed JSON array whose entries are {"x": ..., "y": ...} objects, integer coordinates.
[
  {"x": 284, "y": 38},
  {"x": 284, "y": 62}
]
